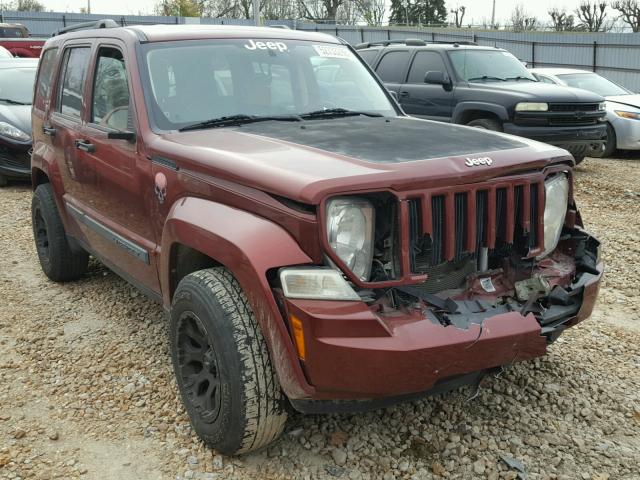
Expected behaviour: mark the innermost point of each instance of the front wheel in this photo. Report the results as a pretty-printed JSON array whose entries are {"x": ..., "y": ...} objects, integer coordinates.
[
  {"x": 486, "y": 124},
  {"x": 610, "y": 142},
  {"x": 222, "y": 365}
]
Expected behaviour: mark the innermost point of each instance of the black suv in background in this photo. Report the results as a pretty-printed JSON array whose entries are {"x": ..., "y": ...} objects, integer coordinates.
[{"x": 488, "y": 88}]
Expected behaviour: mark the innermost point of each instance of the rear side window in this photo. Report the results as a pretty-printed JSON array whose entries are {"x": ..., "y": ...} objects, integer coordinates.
[
  {"x": 76, "y": 61},
  {"x": 43, "y": 85},
  {"x": 391, "y": 67},
  {"x": 369, "y": 55},
  {"x": 425, "y": 62},
  {"x": 11, "y": 32}
]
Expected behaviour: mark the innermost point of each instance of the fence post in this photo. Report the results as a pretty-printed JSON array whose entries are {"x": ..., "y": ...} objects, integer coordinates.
[
  {"x": 433, "y": 37},
  {"x": 475, "y": 38},
  {"x": 595, "y": 52},
  {"x": 64, "y": 20},
  {"x": 388, "y": 34},
  {"x": 533, "y": 54},
  {"x": 362, "y": 35},
  {"x": 337, "y": 34}
]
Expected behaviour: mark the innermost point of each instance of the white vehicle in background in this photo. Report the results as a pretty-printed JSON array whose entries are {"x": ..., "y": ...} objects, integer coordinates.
[
  {"x": 623, "y": 106},
  {"x": 4, "y": 53}
]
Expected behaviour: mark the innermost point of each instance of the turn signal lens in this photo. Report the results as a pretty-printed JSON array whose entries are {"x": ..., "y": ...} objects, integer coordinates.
[
  {"x": 298, "y": 335},
  {"x": 631, "y": 115}
]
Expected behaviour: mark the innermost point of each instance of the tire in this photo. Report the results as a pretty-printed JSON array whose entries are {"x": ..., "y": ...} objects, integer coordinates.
[
  {"x": 222, "y": 366},
  {"x": 578, "y": 158},
  {"x": 610, "y": 142},
  {"x": 58, "y": 260},
  {"x": 3, "y": 181},
  {"x": 486, "y": 124}
]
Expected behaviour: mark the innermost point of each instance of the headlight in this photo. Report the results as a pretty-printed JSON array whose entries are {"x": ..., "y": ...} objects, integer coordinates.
[
  {"x": 350, "y": 224},
  {"x": 624, "y": 114},
  {"x": 602, "y": 106},
  {"x": 8, "y": 130},
  {"x": 556, "y": 198},
  {"x": 532, "y": 107},
  {"x": 316, "y": 283}
]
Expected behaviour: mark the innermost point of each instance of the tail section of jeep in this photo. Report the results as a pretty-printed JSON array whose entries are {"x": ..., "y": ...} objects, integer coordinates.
[{"x": 311, "y": 243}]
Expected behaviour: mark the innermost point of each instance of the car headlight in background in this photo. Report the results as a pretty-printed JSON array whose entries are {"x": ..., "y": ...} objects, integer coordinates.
[
  {"x": 555, "y": 209},
  {"x": 625, "y": 114},
  {"x": 350, "y": 226},
  {"x": 9, "y": 131},
  {"x": 532, "y": 107},
  {"x": 602, "y": 106},
  {"x": 316, "y": 283}
]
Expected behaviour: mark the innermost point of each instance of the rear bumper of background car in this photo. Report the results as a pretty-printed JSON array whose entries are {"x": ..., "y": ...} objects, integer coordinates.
[{"x": 358, "y": 359}]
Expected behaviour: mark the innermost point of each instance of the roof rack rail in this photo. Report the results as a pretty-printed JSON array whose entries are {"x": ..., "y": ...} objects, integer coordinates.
[
  {"x": 414, "y": 42},
  {"x": 410, "y": 42},
  {"x": 105, "y": 23}
]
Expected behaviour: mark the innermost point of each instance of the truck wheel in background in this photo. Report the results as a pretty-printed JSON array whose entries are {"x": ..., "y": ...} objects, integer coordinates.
[
  {"x": 610, "y": 146},
  {"x": 486, "y": 123},
  {"x": 59, "y": 261},
  {"x": 220, "y": 358}
]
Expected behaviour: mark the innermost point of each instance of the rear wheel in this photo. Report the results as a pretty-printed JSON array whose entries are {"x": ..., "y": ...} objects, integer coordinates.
[
  {"x": 610, "y": 142},
  {"x": 222, "y": 365},
  {"x": 58, "y": 260},
  {"x": 486, "y": 124}
]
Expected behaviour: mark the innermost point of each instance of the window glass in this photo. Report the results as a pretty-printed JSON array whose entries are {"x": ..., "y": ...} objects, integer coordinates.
[
  {"x": 73, "y": 75},
  {"x": 545, "y": 79},
  {"x": 476, "y": 65},
  {"x": 11, "y": 32},
  {"x": 594, "y": 83},
  {"x": 425, "y": 62},
  {"x": 43, "y": 86},
  {"x": 16, "y": 84},
  {"x": 391, "y": 67},
  {"x": 368, "y": 55},
  {"x": 110, "y": 99},
  {"x": 207, "y": 79}
]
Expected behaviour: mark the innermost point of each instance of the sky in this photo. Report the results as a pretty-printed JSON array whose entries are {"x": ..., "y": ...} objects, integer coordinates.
[{"x": 476, "y": 9}]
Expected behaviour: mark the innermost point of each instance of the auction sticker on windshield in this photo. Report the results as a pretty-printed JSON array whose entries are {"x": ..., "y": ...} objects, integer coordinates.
[{"x": 332, "y": 51}]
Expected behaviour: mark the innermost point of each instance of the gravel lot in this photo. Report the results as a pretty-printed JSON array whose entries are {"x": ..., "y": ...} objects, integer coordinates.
[{"x": 87, "y": 391}]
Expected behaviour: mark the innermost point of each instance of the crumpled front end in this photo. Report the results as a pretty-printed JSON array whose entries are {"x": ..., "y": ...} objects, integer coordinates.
[{"x": 460, "y": 282}]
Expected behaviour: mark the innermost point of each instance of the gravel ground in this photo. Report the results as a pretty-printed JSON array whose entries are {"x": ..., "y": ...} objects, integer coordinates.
[{"x": 87, "y": 391}]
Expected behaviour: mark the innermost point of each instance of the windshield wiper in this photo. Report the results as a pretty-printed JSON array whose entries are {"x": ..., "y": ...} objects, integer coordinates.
[
  {"x": 520, "y": 77},
  {"x": 241, "y": 119},
  {"x": 337, "y": 112},
  {"x": 13, "y": 102},
  {"x": 486, "y": 77}
]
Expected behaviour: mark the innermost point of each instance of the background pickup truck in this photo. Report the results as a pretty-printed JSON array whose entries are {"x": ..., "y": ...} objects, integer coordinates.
[
  {"x": 488, "y": 88},
  {"x": 15, "y": 38}
]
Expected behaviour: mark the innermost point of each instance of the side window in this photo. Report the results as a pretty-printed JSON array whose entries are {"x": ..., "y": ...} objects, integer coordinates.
[
  {"x": 369, "y": 55},
  {"x": 545, "y": 79},
  {"x": 425, "y": 62},
  {"x": 71, "y": 87},
  {"x": 110, "y": 99},
  {"x": 391, "y": 67},
  {"x": 43, "y": 85}
]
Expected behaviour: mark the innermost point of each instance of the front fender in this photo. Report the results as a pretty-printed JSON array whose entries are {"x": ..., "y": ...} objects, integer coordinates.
[
  {"x": 463, "y": 107},
  {"x": 248, "y": 246}
]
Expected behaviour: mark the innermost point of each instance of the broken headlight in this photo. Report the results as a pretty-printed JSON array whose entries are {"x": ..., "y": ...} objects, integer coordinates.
[
  {"x": 350, "y": 224},
  {"x": 556, "y": 191}
]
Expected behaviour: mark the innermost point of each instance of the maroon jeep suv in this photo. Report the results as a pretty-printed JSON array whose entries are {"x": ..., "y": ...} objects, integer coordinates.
[{"x": 311, "y": 244}]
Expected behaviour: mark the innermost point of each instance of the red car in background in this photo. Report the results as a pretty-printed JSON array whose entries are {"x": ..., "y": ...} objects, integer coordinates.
[{"x": 15, "y": 38}]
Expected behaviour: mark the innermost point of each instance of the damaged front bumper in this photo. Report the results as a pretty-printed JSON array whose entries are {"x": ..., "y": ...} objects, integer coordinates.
[{"x": 360, "y": 356}]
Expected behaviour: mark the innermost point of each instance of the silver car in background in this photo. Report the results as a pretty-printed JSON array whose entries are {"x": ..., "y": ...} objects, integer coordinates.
[{"x": 623, "y": 106}]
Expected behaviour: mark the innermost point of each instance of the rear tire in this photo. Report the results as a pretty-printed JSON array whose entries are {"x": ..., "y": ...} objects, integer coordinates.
[
  {"x": 610, "y": 146},
  {"x": 222, "y": 366},
  {"x": 486, "y": 124},
  {"x": 58, "y": 260}
]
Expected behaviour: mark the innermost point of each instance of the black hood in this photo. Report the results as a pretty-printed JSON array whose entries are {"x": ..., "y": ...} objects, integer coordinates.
[
  {"x": 17, "y": 115},
  {"x": 385, "y": 140},
  {"x": 538, "y": 91}
]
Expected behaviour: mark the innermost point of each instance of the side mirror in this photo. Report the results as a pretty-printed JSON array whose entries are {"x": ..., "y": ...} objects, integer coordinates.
[
  {"x": 436, "y": 78},
  {"x": 128, "y": 136}
]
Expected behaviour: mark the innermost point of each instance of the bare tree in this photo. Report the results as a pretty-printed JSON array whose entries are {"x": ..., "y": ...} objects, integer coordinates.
[
  {"x": 29, "y": 6},
  {"x": 348, "y": 13},
  {"x": 278, "y": 9},
  {"x": 593, "y": 16},
  {"x": 458, "y": 15},
  {"x": 372, "y": 11},
  {"x": 319, "y": 10},
  {"x": 629, "y": 12},
  {"x": 521, "y": 21},
  {"x": 561, "y": 20}
]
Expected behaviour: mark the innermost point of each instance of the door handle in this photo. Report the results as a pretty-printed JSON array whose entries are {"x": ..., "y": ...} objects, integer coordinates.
[
  {"x": 49, "y": 131},
  {"x": 85, "y": 146},
  {"x": 404, "y": 94}
]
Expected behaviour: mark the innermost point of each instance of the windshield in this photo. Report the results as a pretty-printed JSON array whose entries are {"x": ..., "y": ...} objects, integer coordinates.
[
  {"x": 194, "y": 81},
  {"x": 16, "y": 84},
  {"x": 488, "y": 65},
  {"x": 594, "y": 83}
]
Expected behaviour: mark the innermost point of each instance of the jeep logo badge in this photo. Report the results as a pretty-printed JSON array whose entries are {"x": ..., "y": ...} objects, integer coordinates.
[
  {"x": 279, "y": 46},
  {"x": 474, "y": 162}
]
